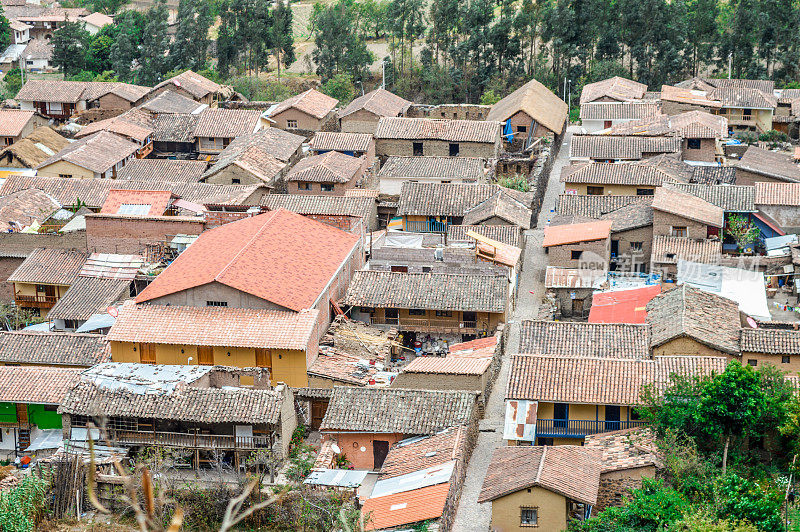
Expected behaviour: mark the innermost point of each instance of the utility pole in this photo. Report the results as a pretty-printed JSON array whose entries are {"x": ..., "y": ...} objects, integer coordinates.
[
  {"x": 730, "y": 64},
  {"x": 569, "y": 97},
  {"x": 564, "y": 93},
  {"x": 383, "y": 73}
]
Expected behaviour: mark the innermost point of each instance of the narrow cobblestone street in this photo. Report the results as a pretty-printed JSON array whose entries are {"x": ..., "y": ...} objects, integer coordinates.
[{"x": 470, "y": 515}]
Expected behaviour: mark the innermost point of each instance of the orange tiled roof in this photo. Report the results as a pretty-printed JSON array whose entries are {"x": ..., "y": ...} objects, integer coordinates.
[
  {"x": 572, "y": 233},
  {"x": 279, "y": 256},
  {"x": 36, "y": 384},
  {"x": 406, "y": 507},
  {"x": 480, "y": 348},
  {"x": 213, "y": 326},
  {"x": 449, "y": 365},
  {"x": 158, "y": 200}
]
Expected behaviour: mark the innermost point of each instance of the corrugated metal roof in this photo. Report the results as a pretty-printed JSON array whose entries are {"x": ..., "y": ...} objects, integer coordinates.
[
  {"x": 423, "y": 478},
  {"x": 340, "y": 478},
  {"x": 520, "y": 420}
]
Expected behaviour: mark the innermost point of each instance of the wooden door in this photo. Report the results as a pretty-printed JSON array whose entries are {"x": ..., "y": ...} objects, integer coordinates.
[
  {"x": 264, "y": 359},
  {"x": 205, "y": 355},
  {"x": 22, "y": 413},
  {"x": 379, "y": 451},
  {"x": 318, "y": 409},
  {"x": 147, "y": 353}
]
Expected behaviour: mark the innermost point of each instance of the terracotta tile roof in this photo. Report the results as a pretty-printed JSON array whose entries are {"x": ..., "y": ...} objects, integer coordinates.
[
  {"x": 342, "y": 367},
  {"x": 615, "y": 174},
  {"x": 730, "y": 198},
  {"x": 671, "y": 164},
  {"x": 572, "y": 233},
  {"x": 434, "y": 291},
  {"x": 631, "y": 216},
  {"x": 714, "y": 175},
  {"x": 740, "y": 97},
  {"x": 625, "y": 449},
  {"x": 507, "y": 234},
  {"x": 595, "y": 206},
  {"x": 622, "y": 306},
  {"x": 312, "y": 204},
  {"x": 36, "y": 147},
  {"x": 295, "y": 258},
  {"x": 770, "y": 164},
  {"x": 443, "y": 130},
  {"x": 772, "y": 341},
  {"x": 624, "y": 148},
  {"x": 213, "y": 326},
  {"x": 195, "y": 84},
  {"x": 93, "y": 192},
  {"x": 464, "y": 168},
  {"x": 227, "y": 123},
  {"x": 617, "y": 88},
  {"x": 36, "y": 384},
  {"x": 395, "y": 410},
  {"x": 169, "y": 127},
  {"x": 535, "y": 100},
  {"x": 13, "y": 121},
  {"x": 330, "y": 167},
  {"x": 362, "y": 193},
  {"x": 259, "y": 153},
  {"x": 764, "y": 85},
  {"x": 97, "y": 153},
  {"x": 689, "y": 312},
  {"x": 668, "y": 249},
  {"x": 697, "y": 97},
  {"x": 556, "y": 277},
  {"x": 135, "y": 125},
  {"x": 406, "y": 507},
  {"x": 98, "y": 19},
  {"x": 687, "y": 206},
  {"x": 329, "y": 140},
  {"x": 609, "y": 381},
  {"x": 50, "y": 266},
  {"x": 25, "y": 207},
  {"x": 582, "y": 340},
  {"x": 415, "y": 454},
  {"x": 449, "y": 365},
  {"x": 53, "y": 348},
  {"x": 500, "y": 205},
  {"x": 157, "y": 200},
  {"x": 691, "y": 125},
  {"x": 311, "y": 102},
  {"x": 568, "y": 470},
  {"x": 478, "y": 348},
  {"x": 379, "y": 102},
  {"x": 87, "y": 296},
  {"x": 777, "y": 193},
  {"x": 171, "y": 102},
  {"x": 201, "y": 405},
  {"x": 40, "y": 90},
  {"x": 449, "y": 199},
  {"x": 170, "y": 170},
  {"x": 619, "y": 111}
]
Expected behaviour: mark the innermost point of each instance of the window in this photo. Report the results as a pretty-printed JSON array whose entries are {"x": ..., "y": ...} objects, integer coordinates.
[
  {"x": 544, "y": 441},
  {"x": 575, "y": 254},
  {"x": 304, "y": 186},
  {"x": 65, "y": 176},
  {"x": 752, "y": 361},
  {"x": 786, "y": 359},
  {"x": 225, "y": 142},
  {"x": 522, "y": 129},
  {"x": 678, "y": 230},
  {"x": 426, "y": 269},
  {"x": 147, "y": 353},
  {"x": 291, "y": 124},
  {"x": 453, "y": 149},
  {"x": 417, "y": 149},
  {"x": 693, "y": 144},
  {"x": 51, "y": 408},
  {"x": 636, "y": 246},
  {"x": 560, "y": 415},
  {"x": 236, "y": 181},
  {"x": 416, "y": 312},
  {"x": 366, "y": 310},
  {"x": 444, "y": 314},
  {"x": 216, "y": 303},
  {"x": 455, "y": 116},
  {"x": 326, "y": 187},
  {"x": 594, "y": 191},
  {"x": 645, "y": 191},
  {"x": 528, "y": 516},
  {"x": 747, "y": 112}
]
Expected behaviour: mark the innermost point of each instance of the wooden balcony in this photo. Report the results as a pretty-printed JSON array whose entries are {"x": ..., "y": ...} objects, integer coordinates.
[
  {"x": 37, "y": 301},
  {"x": 578, "y": 428},
  {"x": 425, "y": 226},
  {"x": 189, "y": 441},
  {"x": 426, "y": 325},
  {"x": 144, "y": 151}
]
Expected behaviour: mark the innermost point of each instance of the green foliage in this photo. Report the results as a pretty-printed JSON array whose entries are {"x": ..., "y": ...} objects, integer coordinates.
[
  {"x": 5, "y": 30},
  {"x": 516, "y": 182},
  {"x": 22, "y": 506},
  {"x": 83, "y": 75},
  {"x": 650, "y": 508},
  {"x": 155, "y": 45},
  {"x": 189, "y": 49},
  {"x": 340, "y": 87},
  {"x": 301, "y": 456},
  {"x": 702, "y": 520},
  {"x": 489, "y": 97},
  {"x": 741, "y": 230},
  {"x": 339, "y": 45},
  {"x": 747, "y": 137},
  {"x": 12, "y": 82},
  {"x": 758, "y": 503},
  {"x": 70, "y": 44},
  {"x": 261, "y": 89}
]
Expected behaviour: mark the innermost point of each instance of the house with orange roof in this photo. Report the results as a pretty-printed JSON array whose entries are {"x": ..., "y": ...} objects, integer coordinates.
[
  {"x": 277, "y": 268},
  {"x": 308, "y": 111},
  {"x": 583, "y": 245}
]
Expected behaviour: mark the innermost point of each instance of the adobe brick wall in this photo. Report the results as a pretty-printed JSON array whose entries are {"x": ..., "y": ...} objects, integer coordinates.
[
  {"x": 24, "y": 243},
  {"x": 453, "y": 111},
  {"x": 675, "y": 108},
  {"x": 663, "y": 222},
  {"x": 627, "y": 255},
  {"x": 561, "y": 255},
  {"x": 216, "y": 218},
  {"x": 707, "y": 151},
  {"x": 386, "y": 148},
  {"x": 7, "y": 267},
  {"x": 95, "y": 115},
  {"x": 128, "y": 235},
  {"x": 745, "y": 177}
]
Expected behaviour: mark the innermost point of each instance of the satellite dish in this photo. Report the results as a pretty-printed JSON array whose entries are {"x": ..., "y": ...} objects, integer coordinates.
[
  {"x": 113, "y": 311},
  {"x": 752, "y": 323},
  {"x": 336, "y": 448}
]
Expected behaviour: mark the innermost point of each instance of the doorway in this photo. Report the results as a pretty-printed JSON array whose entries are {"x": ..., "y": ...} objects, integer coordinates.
[
  {"x": 379, "y": 451},
  {"x": 612, "y": 417}
]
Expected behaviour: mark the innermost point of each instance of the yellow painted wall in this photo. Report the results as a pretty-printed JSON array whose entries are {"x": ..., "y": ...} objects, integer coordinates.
[
  {"x": 288, "y": 366},
  {"x": 582, "y": 412},
  {"x": 62, "y": 167},
  {"x": 621, "y": 190},
  {"x": 686, "y": 346},
  {"x": 552, "y": 511}
]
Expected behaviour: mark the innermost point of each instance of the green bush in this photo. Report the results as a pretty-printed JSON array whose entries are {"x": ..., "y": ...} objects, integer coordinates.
[{"x": 516, "y": 182}]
